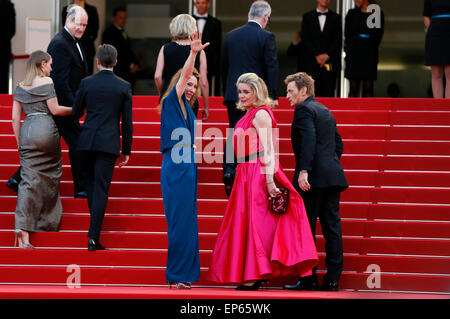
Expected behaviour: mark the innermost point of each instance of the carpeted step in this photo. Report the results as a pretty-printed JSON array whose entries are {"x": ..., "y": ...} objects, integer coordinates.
[{"x": 409, "y": 229}]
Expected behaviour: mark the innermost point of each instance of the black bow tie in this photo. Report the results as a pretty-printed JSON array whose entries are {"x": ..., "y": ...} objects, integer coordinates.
[
  {"x": 200, "y": 18},
  {"x": 322, "y": 13}
]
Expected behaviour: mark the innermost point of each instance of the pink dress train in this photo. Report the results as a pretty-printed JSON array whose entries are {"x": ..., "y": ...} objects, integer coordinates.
[{"x": 253, "y": 242}]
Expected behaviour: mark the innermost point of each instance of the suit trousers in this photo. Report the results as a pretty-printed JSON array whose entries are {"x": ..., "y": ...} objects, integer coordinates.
[
  {"x": 324, "y": 82},
  {"x": 98, "y": 172},
  {"x": 70, "y": 130},
  {"x": 323, "y": 203}
]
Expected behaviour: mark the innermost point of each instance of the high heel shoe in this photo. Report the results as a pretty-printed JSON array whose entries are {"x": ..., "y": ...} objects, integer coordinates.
[
  {"x": 18, "y": 238},
  {"x": 255, "y": 286},
  {"x": 180, "y": 285}
]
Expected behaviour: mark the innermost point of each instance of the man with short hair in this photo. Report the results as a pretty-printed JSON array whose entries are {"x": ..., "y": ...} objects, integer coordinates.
[
  {"x": 91, "y": 32},
  {"x": 246, "y": 49},
  {"x": 319, "y": 177},
  {"x": 115, "y": 35},
  {"x": 211, "y": 29},
  {"x": 107, "y": 99}
]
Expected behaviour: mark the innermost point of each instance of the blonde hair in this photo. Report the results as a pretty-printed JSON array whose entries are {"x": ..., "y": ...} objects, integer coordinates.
[
  {"x": 259, "y": 87},
  {"x": 33, "y": 68},
  {"x": 182, "y": 26},
  {"x": 301, "y": 79},
  {"x": 174, "y": 82}
]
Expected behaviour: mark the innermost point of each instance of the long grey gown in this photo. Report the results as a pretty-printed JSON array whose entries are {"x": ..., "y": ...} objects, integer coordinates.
[{"x": 38, "y": 201}]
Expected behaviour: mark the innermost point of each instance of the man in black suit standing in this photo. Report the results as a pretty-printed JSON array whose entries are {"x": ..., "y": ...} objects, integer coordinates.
[
  {"x": 319, "y": 177},
  {"x": 115, "y": 35},
  {"x": 69, "y": 68},
  {"x": 211, "y": 29},
  {"x": 322, "y": 40},
  {"x": 91, "y": 32},
  {"x": 107, "y": 99},
  {"x": 248, "y": 48}
]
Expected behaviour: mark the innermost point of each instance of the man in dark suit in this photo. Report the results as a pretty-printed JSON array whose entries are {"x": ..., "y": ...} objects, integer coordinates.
[
  {"x": 107, "y": 99},
  {"x": 322, "y": 40},
  {"x": 8, "y": 27},
  {"x": 211, "y": 29},
  {"x": 89, "y": 36},
  {"x": 69, "y": 68},
  {"x": 115, "y": 35},
  {"x": 318, "y": 177},
  {"x": 248, "y": 48}
]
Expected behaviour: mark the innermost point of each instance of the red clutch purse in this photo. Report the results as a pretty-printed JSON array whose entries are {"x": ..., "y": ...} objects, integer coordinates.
[{"x": 280, "y": 203}]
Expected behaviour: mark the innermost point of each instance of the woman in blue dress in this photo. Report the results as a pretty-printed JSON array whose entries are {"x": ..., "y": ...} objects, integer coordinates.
[{"x": 179, "y": 171}]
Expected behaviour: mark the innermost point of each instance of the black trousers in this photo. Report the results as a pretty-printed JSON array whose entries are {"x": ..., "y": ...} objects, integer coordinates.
[
  {"x": 98, "y": 172},
  {"x": 323, "y": 203},
  {"x": 229, "y": 161},
  {"x": 324, "y": 82},
  {"x": 4, "y": 73}
]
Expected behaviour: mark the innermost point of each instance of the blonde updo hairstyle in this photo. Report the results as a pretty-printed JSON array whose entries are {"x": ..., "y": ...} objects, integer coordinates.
[
  {"x": 259, "y": 87},
  {"x": 182, "y": 26}
]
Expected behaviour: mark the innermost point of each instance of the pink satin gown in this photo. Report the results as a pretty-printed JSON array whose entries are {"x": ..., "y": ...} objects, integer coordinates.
[{"x": 253, "y": 242}]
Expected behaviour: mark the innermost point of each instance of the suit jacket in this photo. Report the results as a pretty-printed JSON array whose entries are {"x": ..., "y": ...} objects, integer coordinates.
[
  {"x": 249, "y": 48},
  {"x": 125, "y": 57},
  {"x": 106, "y": 98},
  {"x": 316, "y": 42},
  {"x": 68, "y": 67},
  {"x": 8, "y": 27},
  {"x": 317, "y": 145},
  {"x": 212, "y": 33}
]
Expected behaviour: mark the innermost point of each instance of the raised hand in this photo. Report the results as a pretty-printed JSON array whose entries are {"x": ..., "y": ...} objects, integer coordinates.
[{"x": 196, "y": 42}]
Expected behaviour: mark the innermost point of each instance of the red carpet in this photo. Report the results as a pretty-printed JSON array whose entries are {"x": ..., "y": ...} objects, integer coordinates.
[{"x": 395, "y": 215}]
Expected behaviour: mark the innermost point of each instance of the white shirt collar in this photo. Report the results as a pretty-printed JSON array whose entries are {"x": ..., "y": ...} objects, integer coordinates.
[
  {"x": 202, "y": 15},
  {"x": 321, "y": 11}
]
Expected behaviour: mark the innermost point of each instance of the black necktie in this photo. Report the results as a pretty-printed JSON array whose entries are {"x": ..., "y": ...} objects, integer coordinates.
[
  {"x": 200, "y": 18},
  {"x": 322, "y": 13}
]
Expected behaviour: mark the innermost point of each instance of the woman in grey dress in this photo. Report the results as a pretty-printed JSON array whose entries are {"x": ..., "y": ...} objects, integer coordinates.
[{"x": 38, "y": 204}]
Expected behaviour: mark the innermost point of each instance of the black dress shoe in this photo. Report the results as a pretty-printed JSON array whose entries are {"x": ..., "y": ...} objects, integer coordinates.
[
  {"x": 94, "y": 245},
  {"x": 13, "y": 184},
  {"x": 330, "y": 286},
  {"x": 81, "y": 194},
  {"x": 255, "y": 286},
  {"x": 303, "y": 284}
]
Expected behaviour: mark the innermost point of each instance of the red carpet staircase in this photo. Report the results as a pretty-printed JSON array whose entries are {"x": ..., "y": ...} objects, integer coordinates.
[{"x": 395, "y": 215}]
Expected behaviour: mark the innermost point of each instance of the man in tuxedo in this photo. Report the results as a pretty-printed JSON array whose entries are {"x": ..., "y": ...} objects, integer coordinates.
[
  {"x": 318, "y": 177},
  {"x": 91, "y": 32},
  {"x": 248, "y": 48},
  {"x": 115, "y": 35},
  {"x": 322, "y": 40},
  {"x": 211, "y": 29},
  {"x": 107, "y": 99},
  {"x": 69, "y": 68}
]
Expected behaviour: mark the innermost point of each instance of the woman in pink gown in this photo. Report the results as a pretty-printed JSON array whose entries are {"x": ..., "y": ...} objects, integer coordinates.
[{"x": 255, "y": 244}]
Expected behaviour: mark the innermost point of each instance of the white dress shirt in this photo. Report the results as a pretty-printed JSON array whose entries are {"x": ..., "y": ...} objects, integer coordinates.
[
  {"x": 201, "y": 22},
  {"x": 76, "y": 43},
  {"x": 322, "y": 19}
]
